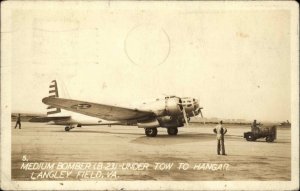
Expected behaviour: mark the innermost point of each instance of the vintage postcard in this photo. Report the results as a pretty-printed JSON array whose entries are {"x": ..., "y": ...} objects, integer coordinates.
[{"x": 149, "y": 95}]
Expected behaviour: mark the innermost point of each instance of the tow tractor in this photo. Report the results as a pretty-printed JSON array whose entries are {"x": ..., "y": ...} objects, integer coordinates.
[{"x": 269, "y": 133}]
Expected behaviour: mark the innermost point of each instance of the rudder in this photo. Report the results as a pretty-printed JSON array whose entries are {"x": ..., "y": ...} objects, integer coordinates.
[{"x": 53, "y": 92}]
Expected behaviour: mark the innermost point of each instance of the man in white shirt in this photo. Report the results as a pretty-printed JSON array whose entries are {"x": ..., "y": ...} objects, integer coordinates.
[{"x": 220, "y": 131}]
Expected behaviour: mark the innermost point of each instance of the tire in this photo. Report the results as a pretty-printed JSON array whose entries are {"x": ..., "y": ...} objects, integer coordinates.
[
  {"x": 270, "y": 138},
  {"x": 250, "y": 137},
  {"x": 151, "y": 132},
  {"x": 172, "y": 131},
  {"x": 67, "y": 128}
]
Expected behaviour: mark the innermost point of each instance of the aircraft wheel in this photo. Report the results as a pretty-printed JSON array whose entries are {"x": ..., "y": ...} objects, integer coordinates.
[
  {"x": 172, "y": 131},
  {"x": 67, "y": 128},
  {"x": 151, "y": 132}
]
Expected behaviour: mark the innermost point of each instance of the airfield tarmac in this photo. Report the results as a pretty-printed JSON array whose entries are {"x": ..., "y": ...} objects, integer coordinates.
[{"x": 195, "y": 144}]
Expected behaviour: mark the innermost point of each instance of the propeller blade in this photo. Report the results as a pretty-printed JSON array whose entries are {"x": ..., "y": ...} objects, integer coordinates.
[
  {"x": 185, "y": 117},
  {"x": 201, "y": 113},
  {"x": 193, "y": 113}
]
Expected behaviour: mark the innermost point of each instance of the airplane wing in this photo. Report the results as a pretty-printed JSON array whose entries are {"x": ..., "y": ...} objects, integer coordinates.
[{"x": 107, "y": 112}]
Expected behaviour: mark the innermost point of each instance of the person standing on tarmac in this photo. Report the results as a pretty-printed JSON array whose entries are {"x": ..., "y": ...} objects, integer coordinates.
[
  {"x": 18, "y": 123},
  {"x": 220, "y": 131}
]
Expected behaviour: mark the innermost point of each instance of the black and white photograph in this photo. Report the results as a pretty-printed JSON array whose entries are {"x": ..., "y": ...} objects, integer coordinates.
[{"x": 149, "y": 95}]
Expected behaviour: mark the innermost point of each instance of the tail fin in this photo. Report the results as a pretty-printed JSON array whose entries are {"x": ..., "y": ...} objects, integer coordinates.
[{"x": 53, "y": 92}]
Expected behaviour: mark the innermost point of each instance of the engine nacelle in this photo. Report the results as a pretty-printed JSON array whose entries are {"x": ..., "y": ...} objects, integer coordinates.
[
  {"x": 190, "y": 104},
  {"x": 173, "y": 106},
  {"x": 168, "y": 121},
  {"x": 149, "y": 124}
]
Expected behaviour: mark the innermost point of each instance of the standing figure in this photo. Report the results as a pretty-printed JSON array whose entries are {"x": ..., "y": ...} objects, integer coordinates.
[
  {"x": 18, "y": 123},
  {"x": 254, "y": 127},
  {"x": 220, "y": 131}
]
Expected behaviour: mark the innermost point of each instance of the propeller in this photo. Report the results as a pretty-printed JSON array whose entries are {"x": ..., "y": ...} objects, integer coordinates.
[
  {"x": 195, "y": 112},
  {"x": 185, "y": 117},
  {"x": 200, "y": 111},
  {"x": 182, "y": 108}
]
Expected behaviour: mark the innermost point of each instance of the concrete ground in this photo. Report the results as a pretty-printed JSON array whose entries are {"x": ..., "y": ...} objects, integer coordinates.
[{"x": 116, "y": 145}]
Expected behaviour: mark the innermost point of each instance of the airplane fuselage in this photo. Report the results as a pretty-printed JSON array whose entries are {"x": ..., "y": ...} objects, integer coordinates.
[{"x": 170, "y": 112}]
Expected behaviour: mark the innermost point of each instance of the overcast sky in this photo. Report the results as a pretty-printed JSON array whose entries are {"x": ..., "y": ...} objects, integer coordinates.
[{"x": 236, "y": 62}]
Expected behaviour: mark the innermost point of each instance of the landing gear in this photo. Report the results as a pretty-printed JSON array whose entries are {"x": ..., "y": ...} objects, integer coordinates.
[
  {"x": 172, "y": 131},
  {"x": 67, "y": 128},
  {"x": 151, "y": 132}
]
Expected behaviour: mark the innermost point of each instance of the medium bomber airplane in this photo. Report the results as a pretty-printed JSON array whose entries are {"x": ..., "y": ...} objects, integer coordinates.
[{"x": 170, "y": 112}]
